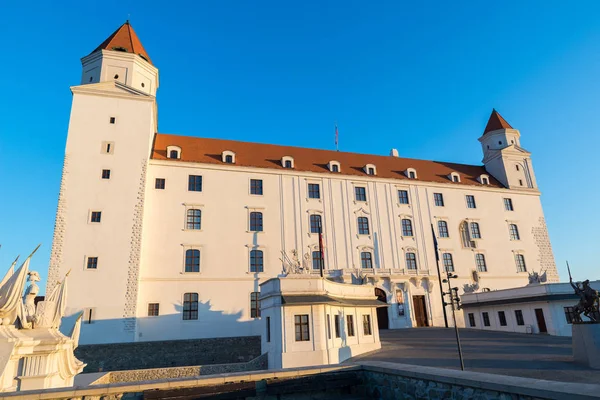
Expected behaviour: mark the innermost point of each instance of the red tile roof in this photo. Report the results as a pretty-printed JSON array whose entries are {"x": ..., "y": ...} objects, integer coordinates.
[
  {"x": 208, "y": 151},
  {"x": 496, "y": 122},
  {"x": 124, "y": 39}
]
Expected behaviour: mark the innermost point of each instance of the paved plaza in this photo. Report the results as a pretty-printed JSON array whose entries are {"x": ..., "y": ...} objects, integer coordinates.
[{"x": 534, "y": 356}]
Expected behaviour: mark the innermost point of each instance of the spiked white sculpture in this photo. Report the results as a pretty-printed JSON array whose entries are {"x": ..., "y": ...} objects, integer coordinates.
[{"x": 33, "y": 353}]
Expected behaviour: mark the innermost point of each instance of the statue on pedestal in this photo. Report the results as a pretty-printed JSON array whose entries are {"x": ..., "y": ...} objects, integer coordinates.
[
  {"x": 34, "y": 354},
  {"x": 588, "y": 300}
]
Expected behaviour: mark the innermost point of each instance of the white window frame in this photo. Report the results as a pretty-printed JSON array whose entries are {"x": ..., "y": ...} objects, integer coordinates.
[
  {"x": 454, "y": 175},
  {"x": 255, "y": 209},
  {"x": 369, "y": 166},
  {"x": 369, "y": 249},
  {"x": 226, "y": 153},
  {"x": 193, "y": 206},
  {"x": 408, "y": 171},
  {"x": 287, "y": 158},
  {"x": 260, "y": 247},
  {"x": 187, "y": 247},
  {"x": 332, "y": 163},
  {"x": 250, "y": 186},
  {"x": 482, "y": 177}
]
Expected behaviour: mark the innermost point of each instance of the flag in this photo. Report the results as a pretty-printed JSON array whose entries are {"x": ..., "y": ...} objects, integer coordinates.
[
  {"x": 435, "y": 244},
  {"x": 336, "y": 136}
]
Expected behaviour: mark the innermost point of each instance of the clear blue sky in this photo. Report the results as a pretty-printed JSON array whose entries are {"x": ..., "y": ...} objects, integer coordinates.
[{"x": 422, "y": 78}]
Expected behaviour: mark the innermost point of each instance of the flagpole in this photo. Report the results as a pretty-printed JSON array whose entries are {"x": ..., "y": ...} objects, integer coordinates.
[
  {"x": 437, "y": 263},
  {"x": 336, "y": 137}
]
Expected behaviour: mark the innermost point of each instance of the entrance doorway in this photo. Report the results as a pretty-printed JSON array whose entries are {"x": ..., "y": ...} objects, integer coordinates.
[
  {"x": 383, "y": 321},
  {"x": 420, "y": 311},
  {"x": 541, "y": 321}
]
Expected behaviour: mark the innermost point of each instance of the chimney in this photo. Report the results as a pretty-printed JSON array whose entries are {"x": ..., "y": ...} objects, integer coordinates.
[{"x": 394, "y": 153}]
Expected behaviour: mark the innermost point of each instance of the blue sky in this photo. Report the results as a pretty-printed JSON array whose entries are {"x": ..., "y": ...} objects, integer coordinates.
[{"x": 422, "y": 78}]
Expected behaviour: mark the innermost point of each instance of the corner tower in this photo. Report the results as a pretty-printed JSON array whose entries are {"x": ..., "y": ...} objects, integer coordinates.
[
  {"x": 503, "y": 156},
  {"x": 121, "y": 58},
  {"x": 98, "y": 229}
]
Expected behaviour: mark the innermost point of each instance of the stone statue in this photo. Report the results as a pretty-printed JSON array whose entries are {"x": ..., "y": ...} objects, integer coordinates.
[
  {"x": 33, "y": 352},
  {"x": 535, "y": 278},
  {"x": 471, "y": 287},
  {"x": 292, "y": 265},
  {"x": 588, "y": 301},
  {"x": 360, "y": 277}
]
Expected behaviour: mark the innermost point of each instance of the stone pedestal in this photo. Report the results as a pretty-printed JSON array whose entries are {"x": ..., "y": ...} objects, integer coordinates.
[{"x": 586, "y": 344}]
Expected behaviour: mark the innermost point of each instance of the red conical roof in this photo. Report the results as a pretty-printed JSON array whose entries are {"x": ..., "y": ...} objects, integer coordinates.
[
  {"x": 496, "y": 122},
  {"x": 124, "y": 39}
]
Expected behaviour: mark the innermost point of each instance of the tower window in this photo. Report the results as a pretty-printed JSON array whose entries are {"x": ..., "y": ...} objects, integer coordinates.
[
  {"x": 514, "y": 232},
  {"x": 508, "y": 205},
  {"x": 471, "y": 201},
  {"x": 256, "y": 187},
  {"x": 475, "y": 232},
  {"x": 438, "y": 199},
  {"x": 92, "y": 263},
  {"x": 192, "y": 260},
  {"x": 106, "y": 174},
  {"x": 520, "y": 260},
  {"x": 521, "y": 182},
  {"x": 480, "y": 262},
  {"x": 113, "y": 120},
  {"x": 195, "y": 183},
  {"x": 143, "y": 84},
  {"x": 194, "y": 219},
  {"x": 363, "y": 226},
  {"x": 159, "y": 183},
  {"x": 407, "y": 229},
  {"x": 254, "y": 305},
  {"x": 366, "y": 259},
  {"x": 256, "y": 221},
  {"x": 153, "y": 309},
  {"x": 96, "y": 216},
  {"x": 500, "y": 142},
  {"x": 443, "y": 229},
  {"x": 190, "y": 306},
  {"x": 517, "y": 167},
  {"x": 411, "y": 261},
  {"x": 116, "y": 76},
  {"x": 256, "y": 261},
  {"x": 448, "y": 262}
]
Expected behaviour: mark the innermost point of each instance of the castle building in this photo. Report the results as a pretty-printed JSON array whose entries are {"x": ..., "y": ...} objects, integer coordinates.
[{"x": 169, "y": 237}]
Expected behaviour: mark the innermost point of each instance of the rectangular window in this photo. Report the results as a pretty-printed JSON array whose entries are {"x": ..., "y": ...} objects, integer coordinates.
[
  {"x": 192, "y": 260},
  {"x": 486, "y": 319},
  {"x": 360, "y": 193},
  {"x": 508, "y": 205},
  {"x": 195, "y": 183},
  {"x": 471, "y": 201},
  {"x": 502, "y": 318},
  {"x": 254, "y": 305},
  {"x": 113, "y": 120},
  {"x": 314, "y": 191},
  {"x": 569, "y": 314},
  {"x": 256, "y": 221},
  {"x": 106, "y": 174},
  {"x": 336, "y": 325},
  {"x": 448, "y": 262},
  {"x": 350, "y": 324},
  {"x": 153, "y": 309},
  {"x": 520, "y": 261},
  {"x": 92, "y": 263},
  {"x": 301, "y": 326},
  {"x": 520, "y": 182},
  {"x": 268, "y": 329},
  {"x": 366, "y": 259},
  {"x": 443, "y": 229},
  {"x": 513, "y": 231},
  {"x": 256, "y": 187},
  {"x": 363, "y": 225},
  {"x": 480, "y": 262},
  {"x": 438, "y": 199},
  {"x": 315, "y": 223},
  {"x": 159, "y": 183},
  {"x": 96, "y": 216},
  {"x": 193, "y": 219},
  {"x": 256, "y": 261},
  {"x": 316, "y": 260},
  {"x": 472, "y": 320},
  {"x": 519, "y": 317},
  {"x": 367, "y": 325},
  {"x": 407, "y": 229},
  {"x": 475, "y": 231},
  {"x": 328, "y": 327},
  {"x": 190, "y": 306},
  {"x": 403, "y": 196},
  {"x": 411, "y": 261}
]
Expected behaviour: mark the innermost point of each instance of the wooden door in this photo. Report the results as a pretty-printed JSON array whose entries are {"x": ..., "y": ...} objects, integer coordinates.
[
  {"x": 420, "y": 311},
  {"x": 383, "y": 321},
  {"x": 541, "y": 321}
]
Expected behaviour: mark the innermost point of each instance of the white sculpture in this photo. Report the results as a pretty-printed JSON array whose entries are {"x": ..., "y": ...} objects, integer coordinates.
[
  {"x": 292, "y": 265},
  {"x": 34, "y": 354},
  {"x": 535, "y": 278}
]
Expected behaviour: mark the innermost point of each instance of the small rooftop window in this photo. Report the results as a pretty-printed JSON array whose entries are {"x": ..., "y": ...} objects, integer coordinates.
[
  {"x": 119, "y": 48},
  {"x": 484, "y": 179},
  {"x": 287, "y": 162},
  {"x": 174, "y": 152},
  {"x": 228, "y": 157},
  {"x": 411, "y": 173},
  {"x": 370, "y": 169},
  {"x": 454, "y": 177},
  {"x": 334, "y": 166}
]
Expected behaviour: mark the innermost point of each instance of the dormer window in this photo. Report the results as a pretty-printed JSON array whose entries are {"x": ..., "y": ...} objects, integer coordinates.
[
  {"x": 228, "y": 157},
  {"x": 484, "y": 179},
  {"x": 287, "y": 162},
  {"x": 454, "y": 177},
  {"x": 174, "y": 152},
  {"x": 411, "y": 173},
  {"x": 370, "y": 169},
  {"x": 334, "y": 166}
]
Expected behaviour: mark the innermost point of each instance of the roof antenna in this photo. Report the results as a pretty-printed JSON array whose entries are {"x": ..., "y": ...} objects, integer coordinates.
[{"x": 128, "y": 16}]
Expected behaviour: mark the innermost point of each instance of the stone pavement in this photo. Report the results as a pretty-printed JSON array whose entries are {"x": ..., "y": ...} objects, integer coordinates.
[{"x": 504, "y": 353}]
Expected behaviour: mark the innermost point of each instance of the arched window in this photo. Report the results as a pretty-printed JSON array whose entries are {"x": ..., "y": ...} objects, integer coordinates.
[
  {"x": 475, "y": 232},
  {"x": 190, "y": 306},
  {"x": 174, "y": 154},
  {"x": 194, "y": 219},
  {"x": 465, "y": 235},
  {"x": 407, "y": 229},
  {"x": 229, "y": 159},
  {"x": 192, "y": 260},
  {"x": 256, "y": 261},
  {"x": 363, "y": 225},
  {"x": 514, "y": 232},
  {"x": 256, "y": 221},
  {"x": 480, "y": 262},
  {"x": 315, "y": 223},
  {"x": 485, "y": 181},
  {"x": 366, "y": 259},
  {"x": 287, "y": 162},
  {"x": 520, "y": 260},
  {"x": 316, "y": 260},
  {"x": 443, "y": 229},
  {"x": 370, "y": 169},
  {"x": 448, "y": 262},
  {"x": 411, "y": 173},
  {"x": 411, "y": 261}
]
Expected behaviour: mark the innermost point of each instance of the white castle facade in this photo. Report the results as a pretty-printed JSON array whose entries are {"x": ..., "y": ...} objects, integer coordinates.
[{"x": 169, "y": 237}]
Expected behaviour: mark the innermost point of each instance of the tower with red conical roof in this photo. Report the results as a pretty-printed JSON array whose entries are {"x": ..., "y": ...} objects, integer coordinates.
[
  {"x": 503, "y": 156},
  {"x": 121, "y": 58}
]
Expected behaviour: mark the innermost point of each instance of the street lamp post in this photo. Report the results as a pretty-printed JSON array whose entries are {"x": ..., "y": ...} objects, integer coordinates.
[{"x": 454, "y": 299}]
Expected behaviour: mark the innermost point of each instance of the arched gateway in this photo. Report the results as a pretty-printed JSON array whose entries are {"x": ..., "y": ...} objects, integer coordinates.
[{"x": 383, "y": 321}]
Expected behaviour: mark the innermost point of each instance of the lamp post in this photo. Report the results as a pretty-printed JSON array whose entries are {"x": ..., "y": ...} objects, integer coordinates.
[{"x": 453, "y": 293}]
